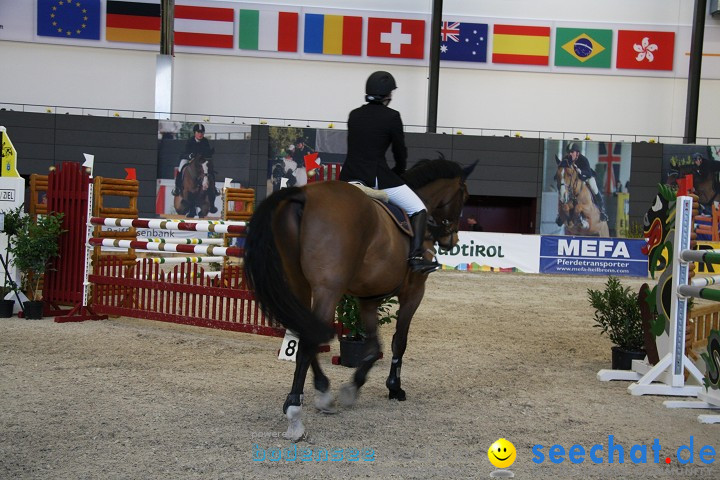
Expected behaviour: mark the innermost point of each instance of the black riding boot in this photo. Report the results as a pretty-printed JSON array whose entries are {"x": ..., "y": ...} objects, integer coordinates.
[
  {"x": 601, "y": 206},
  {"x": 417, "y": 262},
  {"x": 212, "y": 194},
  {"x": 178, "y": 184}
]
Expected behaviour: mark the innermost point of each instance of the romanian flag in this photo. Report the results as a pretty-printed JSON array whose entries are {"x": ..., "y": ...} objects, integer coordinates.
[
  {"x": 133, "y": 22},
  {"x": 333, "y": 34},
  {"x": 521, "y": 44},
  {"x": 268, "y": 31},
  {"x": 576, "y": 47}
]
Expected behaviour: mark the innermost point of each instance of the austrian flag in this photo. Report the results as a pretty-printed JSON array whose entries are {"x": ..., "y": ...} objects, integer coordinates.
[
  {"x": 204, "y": 26},
  {"x": 396, "y": 38}
]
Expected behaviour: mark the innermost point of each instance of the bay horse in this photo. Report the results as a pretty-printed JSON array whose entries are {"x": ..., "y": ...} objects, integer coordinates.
[
  {"x": 198, "y": 188},
  {"x": 576, "y": 208},
  {"x": 307, "y": 246}
]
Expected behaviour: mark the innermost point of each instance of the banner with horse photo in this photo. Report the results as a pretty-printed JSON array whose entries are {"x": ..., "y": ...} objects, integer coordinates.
[
  {"x": 702, "y": 163},
  {"x": 299, "y": 156},
  {"x": 195, "y": 161},
  {"x": 585, "y": 188}
]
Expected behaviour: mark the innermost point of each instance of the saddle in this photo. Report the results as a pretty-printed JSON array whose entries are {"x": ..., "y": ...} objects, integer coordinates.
[{"x": 399, "y": 216}]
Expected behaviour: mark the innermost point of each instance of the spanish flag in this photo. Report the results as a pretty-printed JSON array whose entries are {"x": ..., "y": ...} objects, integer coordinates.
[{"x": 521, "y": 44}]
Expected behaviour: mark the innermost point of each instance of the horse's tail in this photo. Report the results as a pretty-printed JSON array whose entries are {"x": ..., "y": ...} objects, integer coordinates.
[{"x": 264, "y": 269}]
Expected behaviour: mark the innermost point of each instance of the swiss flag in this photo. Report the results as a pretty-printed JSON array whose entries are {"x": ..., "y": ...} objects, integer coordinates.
[
  {"x": 396, "y": 38},
  {"x": 645, "y": 50}
]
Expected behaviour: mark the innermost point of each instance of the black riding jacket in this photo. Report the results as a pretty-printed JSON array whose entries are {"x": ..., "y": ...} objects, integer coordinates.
[{"x": 373, "y": 128}]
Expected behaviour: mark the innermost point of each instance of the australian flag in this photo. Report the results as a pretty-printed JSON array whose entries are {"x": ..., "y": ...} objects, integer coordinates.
[
  {"x": 69, "y": 19},
  {"x": 464, "y": 42}
]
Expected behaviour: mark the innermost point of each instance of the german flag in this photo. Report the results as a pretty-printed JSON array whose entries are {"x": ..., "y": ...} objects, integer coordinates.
[{"x": 133, "y": 22}]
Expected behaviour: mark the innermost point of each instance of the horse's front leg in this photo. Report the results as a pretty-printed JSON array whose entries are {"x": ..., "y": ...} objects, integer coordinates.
[
  {"x": 369, "y": 316},
  {"x": 409, "y": 300}
]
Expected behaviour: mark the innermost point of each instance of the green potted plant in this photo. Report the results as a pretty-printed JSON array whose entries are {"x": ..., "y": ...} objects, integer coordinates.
[
  {"x": 35, "y": 246},
  {"x": 352, "y": 344},
  {"x": 617, "y": 314},
  {"x": 10, "y": 223}
]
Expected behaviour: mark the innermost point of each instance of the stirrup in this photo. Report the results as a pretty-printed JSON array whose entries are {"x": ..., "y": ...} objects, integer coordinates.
[{"x": 419, "y": 264}]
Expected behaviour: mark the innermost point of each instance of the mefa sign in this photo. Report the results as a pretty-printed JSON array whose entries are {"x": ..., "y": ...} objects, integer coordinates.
[{"x": 592, "y": 248}]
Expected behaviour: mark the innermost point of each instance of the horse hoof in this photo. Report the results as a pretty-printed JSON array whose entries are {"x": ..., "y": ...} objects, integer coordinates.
[
  {"x": 213, "y": 210},
  {"x": 325, "y": 402},
  {"x": 348, "y": 395},
  {"x": 296, "y": 429},
  {"x": 398, "y": 395}
]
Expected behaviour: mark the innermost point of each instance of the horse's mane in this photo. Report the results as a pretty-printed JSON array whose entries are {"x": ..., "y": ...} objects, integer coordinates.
[{"x": 428, "y": 170}]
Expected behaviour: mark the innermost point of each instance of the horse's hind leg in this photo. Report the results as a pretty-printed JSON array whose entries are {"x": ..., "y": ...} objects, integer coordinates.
[
  {"x": 368, "y": 314},
  {"x": 293, "y": 403}
]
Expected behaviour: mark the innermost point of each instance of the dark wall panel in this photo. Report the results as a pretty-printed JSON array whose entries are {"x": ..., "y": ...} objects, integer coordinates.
[
  {"x": 507, "y": 166},
  {"x": 44, "y": 140},
  {"x": 645, "y": 174}
]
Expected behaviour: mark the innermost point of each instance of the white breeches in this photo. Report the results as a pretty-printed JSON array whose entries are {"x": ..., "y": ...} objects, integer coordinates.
[
  {"x": 593, "y": 185},
  {"x": 405, "y": 198}
]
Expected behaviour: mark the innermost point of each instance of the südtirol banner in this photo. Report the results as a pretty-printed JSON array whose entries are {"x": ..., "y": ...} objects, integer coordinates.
[{"x": 480, "y": 251}]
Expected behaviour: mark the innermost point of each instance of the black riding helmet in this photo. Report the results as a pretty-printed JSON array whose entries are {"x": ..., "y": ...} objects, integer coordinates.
[
  {"x": 378, "y": 86},
  {"x": 199, "y": 127},
  {"x": 573, "y": 147}
]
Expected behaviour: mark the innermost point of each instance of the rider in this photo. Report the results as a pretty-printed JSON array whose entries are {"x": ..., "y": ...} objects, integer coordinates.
[
  {"x": 372, "y": 128},
  {"x": 587, "y": 174},
  {"x": 196, "y": 145}
]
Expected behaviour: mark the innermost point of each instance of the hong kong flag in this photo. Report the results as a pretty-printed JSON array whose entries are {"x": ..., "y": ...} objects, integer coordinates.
[
  {"x": 645, "y": 50},
  {"x": 396, "y": 38}
]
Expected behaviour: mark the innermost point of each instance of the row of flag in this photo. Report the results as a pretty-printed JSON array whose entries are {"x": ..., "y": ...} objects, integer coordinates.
[{"x": 278, "y": 31}]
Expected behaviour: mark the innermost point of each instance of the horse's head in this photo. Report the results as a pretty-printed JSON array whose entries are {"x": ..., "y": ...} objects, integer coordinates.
[
  {"x": 200, "y": 171},
  {"x": 565, "y": 177},
  {"x": 440, "y": 184}
]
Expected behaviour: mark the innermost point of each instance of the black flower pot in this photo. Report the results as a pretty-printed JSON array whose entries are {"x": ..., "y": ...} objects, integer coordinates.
[
  {"x": 33, "y": 309},
  {"x": 6, "y": 308},
  {"x": 351, "y": 352},
  {"x": 622, "y": 359}
]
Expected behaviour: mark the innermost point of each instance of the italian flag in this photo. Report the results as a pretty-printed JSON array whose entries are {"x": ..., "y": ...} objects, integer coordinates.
[{"x": 268, "y": 31}]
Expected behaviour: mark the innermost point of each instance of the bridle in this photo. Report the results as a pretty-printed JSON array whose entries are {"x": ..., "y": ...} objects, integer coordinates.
[
  {"x": 445, "y": 227},
  {"x": 571, "y": 194}
]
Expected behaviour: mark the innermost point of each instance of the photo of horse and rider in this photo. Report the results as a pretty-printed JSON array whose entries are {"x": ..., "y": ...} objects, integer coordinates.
[
  {"x": 585, "y": 188},
  {"x": 194, "y": 161},
  {"x": 301, "y": 155},
  {"x": 699, "y": 161}
]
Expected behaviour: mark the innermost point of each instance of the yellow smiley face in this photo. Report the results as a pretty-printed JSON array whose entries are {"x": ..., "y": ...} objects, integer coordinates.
[{"x": 502, "y": 453}]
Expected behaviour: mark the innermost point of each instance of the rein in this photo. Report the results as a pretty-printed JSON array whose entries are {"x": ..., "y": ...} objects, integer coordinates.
[{"x": 444, "y": 228}]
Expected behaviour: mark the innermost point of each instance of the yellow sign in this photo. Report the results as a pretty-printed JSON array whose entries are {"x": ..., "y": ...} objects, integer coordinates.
[
  {"x": 9, "y": 156},
  {"x": 622, "y": 220}
]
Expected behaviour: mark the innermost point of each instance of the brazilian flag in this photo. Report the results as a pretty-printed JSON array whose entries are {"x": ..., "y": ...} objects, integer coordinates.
[{"x": 577, "y": 47}]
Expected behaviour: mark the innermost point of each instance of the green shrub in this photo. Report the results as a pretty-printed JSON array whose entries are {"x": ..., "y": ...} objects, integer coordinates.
[
  {"x": 36, "y": 244},
  {"x": 348, "y": 313},
  {"x": 617, "y": 314}
]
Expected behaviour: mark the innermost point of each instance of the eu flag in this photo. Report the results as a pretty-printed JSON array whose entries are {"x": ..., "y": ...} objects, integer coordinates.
[
  {"x": 465, "y": 42},
  {"x": 69, "y": 19}
]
